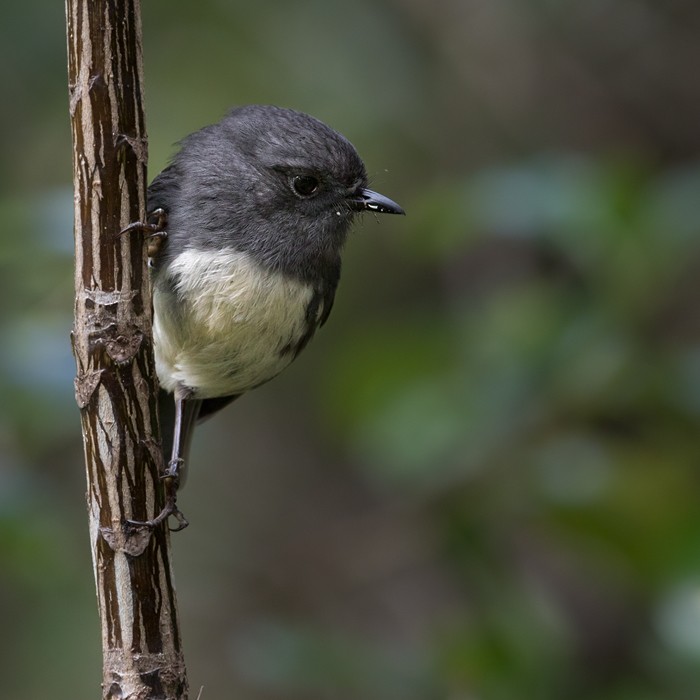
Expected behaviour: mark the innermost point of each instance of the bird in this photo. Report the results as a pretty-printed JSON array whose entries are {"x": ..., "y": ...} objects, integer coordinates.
[{"x": 248, "y": 223}]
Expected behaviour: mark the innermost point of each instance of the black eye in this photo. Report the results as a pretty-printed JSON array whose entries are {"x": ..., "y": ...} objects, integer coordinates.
[{"x": 305, "y": 185}]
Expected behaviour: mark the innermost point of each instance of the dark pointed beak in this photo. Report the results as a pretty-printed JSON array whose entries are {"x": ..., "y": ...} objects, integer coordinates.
[{"x": 367, "y": 200}]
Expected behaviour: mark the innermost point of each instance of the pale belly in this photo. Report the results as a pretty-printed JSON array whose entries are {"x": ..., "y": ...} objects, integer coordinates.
[{"x": 235, "y": 329}]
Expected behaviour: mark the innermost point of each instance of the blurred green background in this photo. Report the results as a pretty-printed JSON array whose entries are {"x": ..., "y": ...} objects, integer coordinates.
[{"x": 480, "y": 482}]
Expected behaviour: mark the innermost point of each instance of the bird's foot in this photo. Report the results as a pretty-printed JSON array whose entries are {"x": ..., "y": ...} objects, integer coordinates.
[
  {"x": 170, "y": 485},
  {"x": 153, "y": 230}
]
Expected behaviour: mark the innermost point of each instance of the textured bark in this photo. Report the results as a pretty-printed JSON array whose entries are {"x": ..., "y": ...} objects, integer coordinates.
[{"x": 112, "y": 342}]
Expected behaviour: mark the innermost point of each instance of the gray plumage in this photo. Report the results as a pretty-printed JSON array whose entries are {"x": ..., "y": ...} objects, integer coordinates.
[
  {"x": 230, "y": 181},
  {"x": 258, "y": 209}
]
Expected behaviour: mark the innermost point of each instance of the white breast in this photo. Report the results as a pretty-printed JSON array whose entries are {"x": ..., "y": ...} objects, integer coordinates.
[{"x": 228, "y": 334}]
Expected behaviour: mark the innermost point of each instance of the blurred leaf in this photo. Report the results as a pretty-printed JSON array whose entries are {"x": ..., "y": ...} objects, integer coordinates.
[{"x": 313, "y": 661}]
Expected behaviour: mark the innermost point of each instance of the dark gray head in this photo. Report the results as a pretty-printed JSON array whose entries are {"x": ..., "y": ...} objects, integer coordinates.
[{"x": 272, "y": 182}]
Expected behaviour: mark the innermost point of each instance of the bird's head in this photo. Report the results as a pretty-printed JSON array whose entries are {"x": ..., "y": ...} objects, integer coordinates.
[{"x": 277, "y": 183}]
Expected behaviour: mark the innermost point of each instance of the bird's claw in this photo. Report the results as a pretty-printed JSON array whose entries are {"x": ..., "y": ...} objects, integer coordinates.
[
  {"x": 170, "y": 509},
  {"x": 170, "y": 481},
  {"x": 153, "y": 230}
]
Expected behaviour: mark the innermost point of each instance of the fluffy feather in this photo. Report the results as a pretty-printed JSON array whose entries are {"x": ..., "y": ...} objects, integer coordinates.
[{"x": 223, "y": 324}]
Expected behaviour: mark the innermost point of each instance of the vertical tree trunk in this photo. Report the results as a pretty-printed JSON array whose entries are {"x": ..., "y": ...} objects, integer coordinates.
[{"x": 112, "y": 341}]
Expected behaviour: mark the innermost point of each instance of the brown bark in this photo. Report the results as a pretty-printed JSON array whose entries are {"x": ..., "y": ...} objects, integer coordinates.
[{"x": 112, "y": 341}]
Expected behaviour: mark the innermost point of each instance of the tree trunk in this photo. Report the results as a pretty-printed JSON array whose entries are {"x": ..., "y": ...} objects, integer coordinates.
[{"x": 112, "y": 342}]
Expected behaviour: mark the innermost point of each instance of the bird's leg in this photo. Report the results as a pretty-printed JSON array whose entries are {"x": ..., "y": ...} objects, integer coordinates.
[
  {"x": 171, "y": 477},
  {"x": 186, "y": 410},
  {"x": 153, "y": 230}
]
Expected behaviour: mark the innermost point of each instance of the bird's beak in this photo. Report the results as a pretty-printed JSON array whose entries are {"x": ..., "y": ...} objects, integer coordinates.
[{"x": 367, "y": 200}]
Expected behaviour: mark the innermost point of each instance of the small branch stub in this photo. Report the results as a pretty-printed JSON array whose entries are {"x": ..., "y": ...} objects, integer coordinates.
[{"x": 112, "y": 341}]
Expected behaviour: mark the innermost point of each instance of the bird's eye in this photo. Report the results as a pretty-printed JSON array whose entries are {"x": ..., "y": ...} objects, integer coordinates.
[{"x": 305, "y": 185}]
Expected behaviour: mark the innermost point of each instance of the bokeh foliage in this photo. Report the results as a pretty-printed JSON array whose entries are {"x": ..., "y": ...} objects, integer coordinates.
[{"x": 480, "y": 482}]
